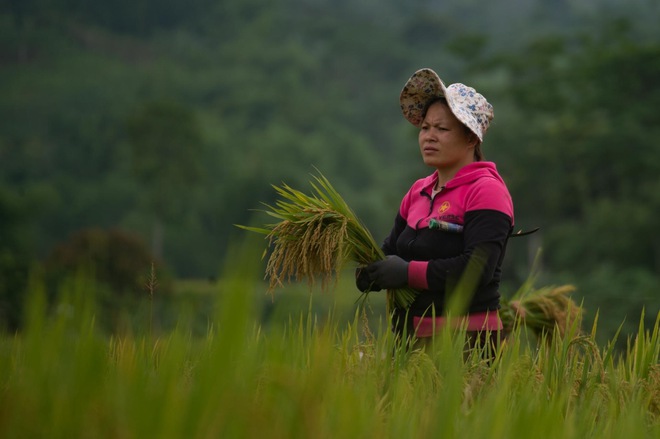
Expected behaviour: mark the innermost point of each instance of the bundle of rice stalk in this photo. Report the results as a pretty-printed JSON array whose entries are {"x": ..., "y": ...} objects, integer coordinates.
[
  {"x": 542, "y": 310},
  {"x": 315, "y": 236}
]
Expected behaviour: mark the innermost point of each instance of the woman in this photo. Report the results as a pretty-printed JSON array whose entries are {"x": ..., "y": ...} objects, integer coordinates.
[{"x": 462, "y": 213}]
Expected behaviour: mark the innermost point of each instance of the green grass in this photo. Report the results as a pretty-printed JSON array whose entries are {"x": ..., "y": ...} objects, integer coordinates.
[{"x": 63, "y": 378}]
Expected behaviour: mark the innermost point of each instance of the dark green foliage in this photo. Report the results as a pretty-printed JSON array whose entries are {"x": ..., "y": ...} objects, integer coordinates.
[
  {"x": 114, "y": 258},
  {"x": 166, "y": 159},
  {"x": 15, "y": 260},
  {"x": 165, "y": 144}
]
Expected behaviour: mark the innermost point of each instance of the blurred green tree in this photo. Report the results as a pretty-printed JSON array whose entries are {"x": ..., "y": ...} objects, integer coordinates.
[
  {"x": 117, "y": 259},
  {"x": 15, "y": 259},
  {"x": 166, "y": 146}
]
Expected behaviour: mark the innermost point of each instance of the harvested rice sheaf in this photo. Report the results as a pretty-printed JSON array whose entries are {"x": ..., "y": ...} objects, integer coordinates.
[
  {"x": 543, "y": 310},
  {"x": 316, "y": 236}
]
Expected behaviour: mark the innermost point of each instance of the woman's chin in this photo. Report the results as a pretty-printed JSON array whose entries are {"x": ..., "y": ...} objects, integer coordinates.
[{"x": 429, "y": 161}]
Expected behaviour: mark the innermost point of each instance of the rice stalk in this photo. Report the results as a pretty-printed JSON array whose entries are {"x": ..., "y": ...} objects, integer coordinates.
[
  {"x": 543, "y": 311},
  {"x": 315, "y": 236}
]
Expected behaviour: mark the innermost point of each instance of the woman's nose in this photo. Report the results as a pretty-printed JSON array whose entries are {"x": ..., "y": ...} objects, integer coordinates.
[{"x": 427, "y": 135}]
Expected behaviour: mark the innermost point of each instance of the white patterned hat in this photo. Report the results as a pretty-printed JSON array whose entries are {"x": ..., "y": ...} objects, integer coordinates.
[{"x": 470, "y": 107}]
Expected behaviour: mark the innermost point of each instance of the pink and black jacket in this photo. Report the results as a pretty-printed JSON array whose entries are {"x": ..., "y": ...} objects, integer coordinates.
[{"x": 439, "y": 235}]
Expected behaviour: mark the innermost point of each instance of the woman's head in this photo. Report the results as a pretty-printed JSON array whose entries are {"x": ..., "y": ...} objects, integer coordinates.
[
  {"x": 444, "y": 141},
  {"x": 471, "y": 137},
  {"x": 425, "y": 87}
]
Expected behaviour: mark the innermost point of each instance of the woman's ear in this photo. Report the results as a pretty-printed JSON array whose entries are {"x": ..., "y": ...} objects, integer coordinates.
[{"x": 473, "y": 139}]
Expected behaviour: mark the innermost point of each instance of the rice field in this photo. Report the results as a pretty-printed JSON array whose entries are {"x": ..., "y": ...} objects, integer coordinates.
[{"x": 312, "y": 378}]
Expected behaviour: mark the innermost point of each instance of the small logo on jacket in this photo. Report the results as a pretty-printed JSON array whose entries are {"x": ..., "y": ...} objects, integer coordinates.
[{"x": 443, "y": 207}]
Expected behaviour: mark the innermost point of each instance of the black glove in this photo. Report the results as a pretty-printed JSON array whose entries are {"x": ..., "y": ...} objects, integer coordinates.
[
  {"x": 363, "y": 281},
  {"x": 390, "y": 273}
]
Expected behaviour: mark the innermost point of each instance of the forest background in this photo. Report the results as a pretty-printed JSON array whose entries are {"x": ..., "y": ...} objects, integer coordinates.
[{"x": 161, "y": 124}]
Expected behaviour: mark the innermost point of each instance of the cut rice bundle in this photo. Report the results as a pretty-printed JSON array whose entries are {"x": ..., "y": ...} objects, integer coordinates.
[
  {"x": 315, "y": 236},
  {"x": 542, "y": 311}
]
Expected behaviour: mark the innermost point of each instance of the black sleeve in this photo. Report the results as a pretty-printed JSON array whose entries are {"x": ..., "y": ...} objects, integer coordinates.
[
  {"x": 485, "y": 235},
  {"x": 389, "y": 245}
]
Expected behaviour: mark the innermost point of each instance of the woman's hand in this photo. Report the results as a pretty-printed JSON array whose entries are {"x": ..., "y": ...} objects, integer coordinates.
[
  {"x": 390, "y": 273},
  {"x": 363, "y": 281}
]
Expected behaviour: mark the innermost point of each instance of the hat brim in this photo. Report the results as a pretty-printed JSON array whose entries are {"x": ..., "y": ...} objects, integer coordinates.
[{"x": 423, "y": 87}]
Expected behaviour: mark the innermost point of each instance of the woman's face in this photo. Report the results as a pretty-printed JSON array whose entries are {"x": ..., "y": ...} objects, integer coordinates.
[{"x": 444, "y": 141}]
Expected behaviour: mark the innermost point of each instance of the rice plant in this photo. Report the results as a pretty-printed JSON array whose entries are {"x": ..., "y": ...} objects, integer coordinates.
[
  {"x": 61, "y": 377},
  {"x": 315, "y": 236}
]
